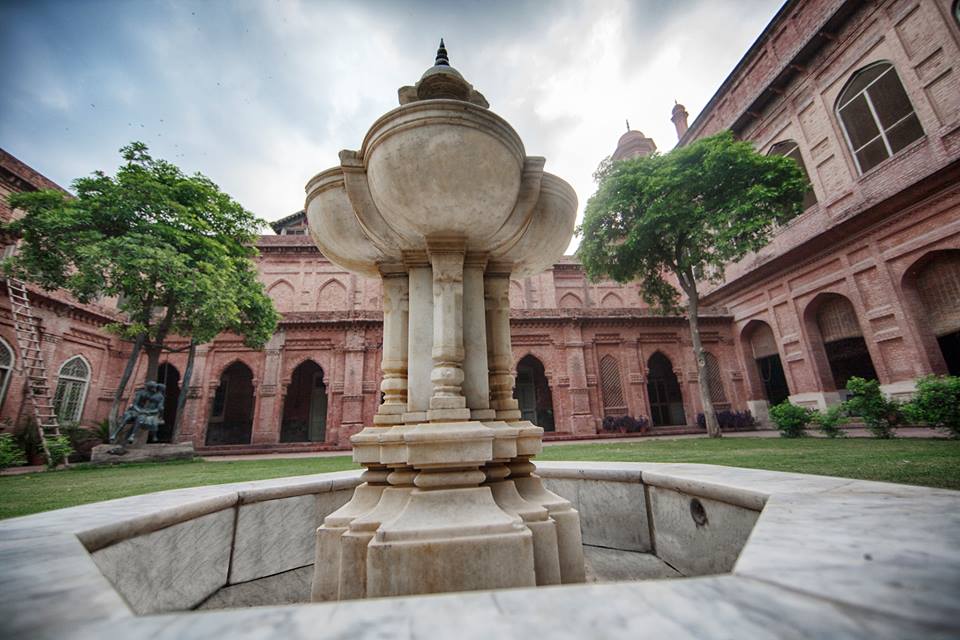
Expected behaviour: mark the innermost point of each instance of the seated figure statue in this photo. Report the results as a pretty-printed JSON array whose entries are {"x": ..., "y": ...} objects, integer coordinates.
[
  {"x": 143, "y": 412},
  {"x": 149, "y": 412}
]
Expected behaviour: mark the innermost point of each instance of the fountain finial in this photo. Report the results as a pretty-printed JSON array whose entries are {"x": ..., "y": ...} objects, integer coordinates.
[{"x": 442, "y": 60}]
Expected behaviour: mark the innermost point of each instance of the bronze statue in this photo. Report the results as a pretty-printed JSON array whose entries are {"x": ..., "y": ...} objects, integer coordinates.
[{"x": 143, "y": 413}]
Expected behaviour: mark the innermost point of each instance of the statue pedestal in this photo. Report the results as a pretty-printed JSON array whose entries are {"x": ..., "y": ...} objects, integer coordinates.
[{"x": 159, "y": 452}]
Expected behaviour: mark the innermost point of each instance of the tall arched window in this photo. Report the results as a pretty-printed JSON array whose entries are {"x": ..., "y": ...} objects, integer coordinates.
[
  {"x": 791, "y": 150},
  {"x": 6, "y": 368},
  {"x": 843, "y": 341},
  {"x": 876, "y": 115},
  {"x": 72, "y": 383},
  {"x": 611, "y": 388},
  {"x": 715, "y": 380}
]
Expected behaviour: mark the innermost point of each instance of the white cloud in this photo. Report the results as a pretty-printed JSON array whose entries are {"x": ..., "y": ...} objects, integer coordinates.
[{"x": 261, "y": 96}]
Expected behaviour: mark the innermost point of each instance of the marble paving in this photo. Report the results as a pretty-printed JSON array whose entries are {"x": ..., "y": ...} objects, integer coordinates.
[{"x": 826, "y": 557}]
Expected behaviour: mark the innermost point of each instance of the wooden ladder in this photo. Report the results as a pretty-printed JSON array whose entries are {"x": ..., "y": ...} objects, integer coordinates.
[{"x": 31, "y": 357}]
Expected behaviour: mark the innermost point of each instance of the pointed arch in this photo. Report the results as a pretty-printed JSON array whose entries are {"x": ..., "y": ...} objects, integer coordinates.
[
  {"x": 790, "y": 149},
  {"x": 764, "y": 368},
  {"x": 840, "y": 351},
  {"x": 283, "y": 295},
  {"x": 232, "y": 406},
  {"x": 570, "y": 301},
  {"x": 611, "y": 387},
  {"x": 663, "y": 389},
  {"x": 932, "y": 288},
  {"x": 612, "y": 301},
  {"x": 876, "y": 115},
  {"x": 73, "y": 382},
  {"x": 532, "y": 391},
  {"x": 333, "y": 296},
  {"x": 169, "y": 376},
  {"x": 304, "y": 417}
]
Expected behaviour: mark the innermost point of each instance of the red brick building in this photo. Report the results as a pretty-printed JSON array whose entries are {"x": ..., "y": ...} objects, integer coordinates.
[{"x": 865, "y": 282}]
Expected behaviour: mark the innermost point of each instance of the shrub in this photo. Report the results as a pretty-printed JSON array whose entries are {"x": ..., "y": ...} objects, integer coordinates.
[
  {"x": 625, "y": 424},
  {"x": 790, "y": 419},
  {"x": 102, "y": 431},
  {"x": 82, "y": 441},
  {"x": 27, "y": 438},
  {"x": 881, "y": 415},
  {"x": 11, "y": 454},
  {"x": 937, "y": 403},
  {"x": 829, "y": 421},
  {"x": 59, "y": 448},
  {"x": 730, "y": 420}
]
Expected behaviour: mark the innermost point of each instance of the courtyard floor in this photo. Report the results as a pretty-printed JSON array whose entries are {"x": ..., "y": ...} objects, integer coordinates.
[{"x": 921, "y": 461}]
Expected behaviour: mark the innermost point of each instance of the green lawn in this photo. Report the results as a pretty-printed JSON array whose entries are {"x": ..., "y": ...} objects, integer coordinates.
[
  {"x": 934, "y": 463},
  {"x": 927, "y": 462},
  {"x": 30, "y": 493}
]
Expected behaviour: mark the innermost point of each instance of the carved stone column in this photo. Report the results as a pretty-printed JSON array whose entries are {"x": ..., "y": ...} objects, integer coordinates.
[
  {"x": 396, "y": 305},
  {"x": 496, "y": 284},
  {"x": 476, "y": 384},
  {"x": 447, "y": 401}
]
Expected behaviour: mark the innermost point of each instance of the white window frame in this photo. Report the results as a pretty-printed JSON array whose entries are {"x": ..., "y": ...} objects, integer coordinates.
[
  {"x": 83, "y": 396},
  {"x": 10, "y": 369},
  {"x": 873, "y": 113}
]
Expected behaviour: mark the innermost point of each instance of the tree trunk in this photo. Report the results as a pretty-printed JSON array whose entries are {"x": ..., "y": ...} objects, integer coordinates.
[
  {"x": 155, "y": 347},
  {"x": 153, "y": 361},
  {"x": 125, "y": 379},
  {"x": 693, "y": 310},
  {"x": 184, "y": 390}
]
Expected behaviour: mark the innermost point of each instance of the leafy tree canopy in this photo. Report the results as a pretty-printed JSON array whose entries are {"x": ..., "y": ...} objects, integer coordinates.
[
  {"x": 174, "y": 250},
  {"x": 689, "y": 212},
  {"x": 686, "y": 214}
]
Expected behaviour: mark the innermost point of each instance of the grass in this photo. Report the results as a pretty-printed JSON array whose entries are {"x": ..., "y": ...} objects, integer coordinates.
[
  {"x": 926, "y": 462},
  {"x": 34, "y": 492},
  {"x": 932, "y": 463}
]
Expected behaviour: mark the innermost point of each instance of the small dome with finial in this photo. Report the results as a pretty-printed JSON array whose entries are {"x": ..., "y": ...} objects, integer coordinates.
[
  {"x": 633, "y": 144},
  {"x": 442, "y": 82}
]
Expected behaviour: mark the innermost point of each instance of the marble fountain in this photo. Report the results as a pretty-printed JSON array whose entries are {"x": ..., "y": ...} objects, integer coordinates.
[{"x": 450, "y": 528}]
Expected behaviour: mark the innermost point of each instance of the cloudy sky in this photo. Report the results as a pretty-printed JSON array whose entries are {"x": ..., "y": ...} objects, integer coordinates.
[{"x": 261, "y": 95}]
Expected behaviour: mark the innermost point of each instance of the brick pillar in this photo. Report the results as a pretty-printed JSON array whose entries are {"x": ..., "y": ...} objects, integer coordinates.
[
  {"x": 351, "y": 415},
  {"x": 195, "y": 410},
  {"x": 266, "y": 428},
  {"x": 581, "y": 418}
]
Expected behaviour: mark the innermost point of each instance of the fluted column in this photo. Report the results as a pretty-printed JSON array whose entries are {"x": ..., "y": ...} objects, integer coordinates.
[
  {"x": 476, "y": 383},
  {"x": 396, "y": 305},
  {"x": 496, "y": 283},
  {"x": 447, "y": 401}
]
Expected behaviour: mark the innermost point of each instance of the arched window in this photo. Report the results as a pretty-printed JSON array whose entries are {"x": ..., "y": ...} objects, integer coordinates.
[
  {"x": 715, "y": 379},
  {"x": 876, "y": 115},
  {"x": 6, "y": 368},
  {"x": 72, "y": 383},
  {"x": 611, "y": 387},
  {"x": 790, "y": 149}
]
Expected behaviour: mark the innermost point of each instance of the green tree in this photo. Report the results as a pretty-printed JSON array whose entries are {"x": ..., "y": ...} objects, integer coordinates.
[
  {"x": 172, "y": 249},
  {"x": 676, "y": 220}
]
